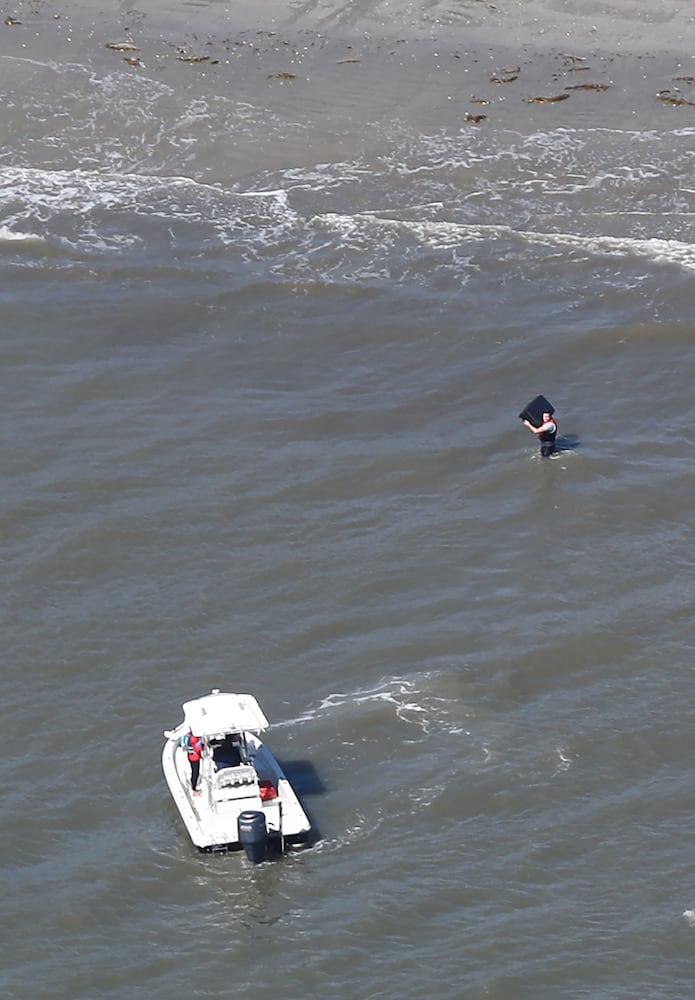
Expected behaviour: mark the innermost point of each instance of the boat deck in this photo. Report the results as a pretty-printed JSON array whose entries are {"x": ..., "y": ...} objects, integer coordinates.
[{"x": 211, "y": 815}]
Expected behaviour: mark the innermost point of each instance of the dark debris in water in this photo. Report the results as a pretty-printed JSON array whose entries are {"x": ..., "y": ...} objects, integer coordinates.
[
  {"x": 589, "y": 86},
  {"x": 506, "y": 75},
  {"x": 549, "y": 100},
  {"x": 121, "y": 47},
  {"x": 666, "y": 97}
]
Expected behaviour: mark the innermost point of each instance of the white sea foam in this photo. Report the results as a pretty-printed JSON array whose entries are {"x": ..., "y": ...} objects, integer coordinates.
[
  {"x": 412, "y": 699},
  {"x": 8, "y": 235},
  {"x": 657, "y": 250},
  {"x": 93, "y": 209},
  {"x": 556, "y": 195},
  {"x": 441, "y": 235},
  {"x": 565, "y": 761}
]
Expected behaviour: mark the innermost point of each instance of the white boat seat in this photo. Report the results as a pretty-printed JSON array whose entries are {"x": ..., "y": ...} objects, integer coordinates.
[{"x": 235, "y": 782}]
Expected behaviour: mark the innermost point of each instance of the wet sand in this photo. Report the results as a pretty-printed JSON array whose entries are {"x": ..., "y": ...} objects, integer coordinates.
[
  {"x": 613, "y": 26},
  {"x": 488, "y": 65}
]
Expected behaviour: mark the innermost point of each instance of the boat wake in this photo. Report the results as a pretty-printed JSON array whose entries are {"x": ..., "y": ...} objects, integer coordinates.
[{"x": 412, "y": 701}]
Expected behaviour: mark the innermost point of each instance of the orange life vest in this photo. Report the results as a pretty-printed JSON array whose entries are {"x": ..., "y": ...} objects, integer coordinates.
[{"x": 194, "y": 747}]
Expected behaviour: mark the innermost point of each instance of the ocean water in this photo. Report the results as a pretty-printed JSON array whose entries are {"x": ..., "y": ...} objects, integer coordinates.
[{"x": 272, "y": 301}]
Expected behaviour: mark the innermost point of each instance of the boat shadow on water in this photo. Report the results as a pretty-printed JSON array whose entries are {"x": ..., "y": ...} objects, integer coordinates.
[{"x": 306, "y": 782}]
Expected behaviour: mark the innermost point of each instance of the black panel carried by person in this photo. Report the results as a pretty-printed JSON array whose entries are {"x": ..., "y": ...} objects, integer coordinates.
[{"x": 538, "y": 417}]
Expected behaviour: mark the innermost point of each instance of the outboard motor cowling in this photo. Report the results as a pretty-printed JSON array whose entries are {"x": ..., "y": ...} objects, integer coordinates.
[{"x": 253, "y": 835}]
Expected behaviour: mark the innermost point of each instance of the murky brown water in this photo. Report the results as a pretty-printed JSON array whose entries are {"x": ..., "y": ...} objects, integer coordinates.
[{"x": 269, "y": 319}]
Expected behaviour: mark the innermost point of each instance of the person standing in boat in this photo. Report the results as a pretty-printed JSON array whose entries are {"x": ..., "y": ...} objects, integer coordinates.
[
  {"x": 547, "y": 432},
  {"x": 193, "y": 745}
]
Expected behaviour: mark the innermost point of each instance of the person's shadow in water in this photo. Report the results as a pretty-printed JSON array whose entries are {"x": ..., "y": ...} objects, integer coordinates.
[{"x": 568, "y": 442}]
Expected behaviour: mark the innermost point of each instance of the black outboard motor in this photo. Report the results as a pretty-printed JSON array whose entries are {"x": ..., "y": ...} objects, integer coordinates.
[{"x": 253, "y": 835}]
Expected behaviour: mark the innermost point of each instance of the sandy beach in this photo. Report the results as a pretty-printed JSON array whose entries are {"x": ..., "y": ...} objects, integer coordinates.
[
  {"x": 611, "y": 27},
  {"x": 482, "y": 64}
]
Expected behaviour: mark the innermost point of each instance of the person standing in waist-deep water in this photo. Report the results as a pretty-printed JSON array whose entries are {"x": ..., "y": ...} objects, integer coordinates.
[
  {"x": 547, "y": 432},
  {"x": 193, "y": 745}
]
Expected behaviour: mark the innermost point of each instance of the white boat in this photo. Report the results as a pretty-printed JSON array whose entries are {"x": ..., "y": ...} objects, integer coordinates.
[{"x": 243, "y": 798}]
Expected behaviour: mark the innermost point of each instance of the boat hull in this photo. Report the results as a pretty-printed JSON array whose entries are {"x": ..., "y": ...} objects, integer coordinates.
[{"x": 211, "y": 817}]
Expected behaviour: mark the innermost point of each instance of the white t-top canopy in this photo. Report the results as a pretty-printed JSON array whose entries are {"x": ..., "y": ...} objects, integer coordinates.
[{"x": 218, "y": 713}]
